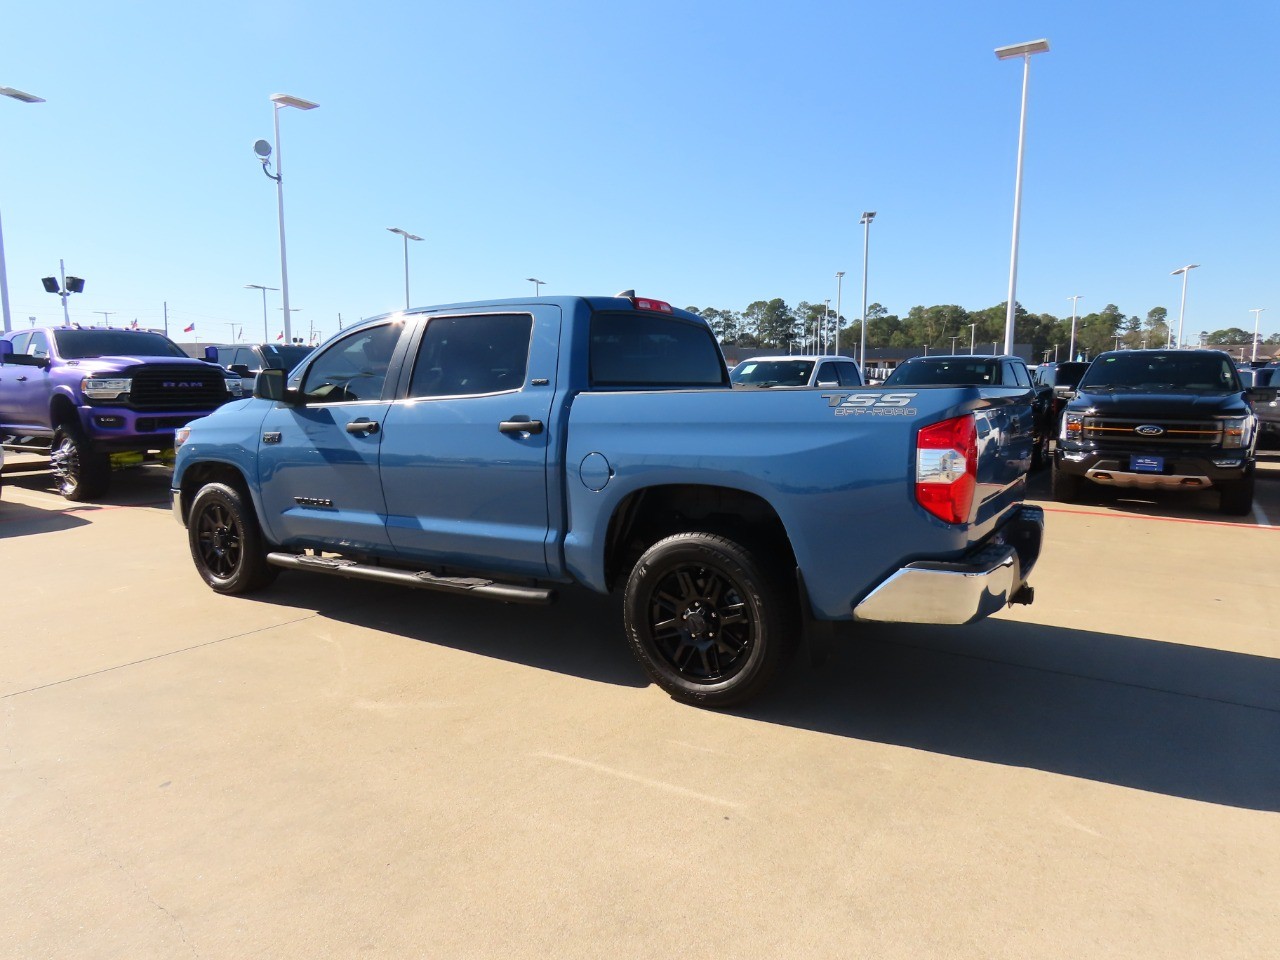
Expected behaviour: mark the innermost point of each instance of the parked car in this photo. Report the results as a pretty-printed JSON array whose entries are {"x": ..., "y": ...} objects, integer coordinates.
[
  {"x": 94, "y": 398},
  {"x": 1159, "y": 419},
  {"x": 247, "y": 360},
  {"x": 798, "y": 371},
  {"x": 1061, "y": 377},
  {"x": 1263, "y": 384},
  {"x": 981, "y": 371},
  {"x": 502, "y": 449}
]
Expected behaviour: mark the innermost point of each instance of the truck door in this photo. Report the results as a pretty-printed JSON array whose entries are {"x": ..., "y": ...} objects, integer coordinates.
[
  {"x": 464, "y": 459},
  {"x": 318, "y": 460},
  {"x": 25, "y": 391}
]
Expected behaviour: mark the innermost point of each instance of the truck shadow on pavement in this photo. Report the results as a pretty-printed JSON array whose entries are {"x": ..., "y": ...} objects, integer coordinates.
[
  {"x": 1178, "y": 720},
  {"x": 1184, "y": 721},
  {"x": 21, "y": 520}
]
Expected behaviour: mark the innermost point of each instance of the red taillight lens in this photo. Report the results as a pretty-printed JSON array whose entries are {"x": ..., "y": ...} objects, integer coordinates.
[
  {"x": 947, "y": 468},
  {"x": 654, "y": 306}
]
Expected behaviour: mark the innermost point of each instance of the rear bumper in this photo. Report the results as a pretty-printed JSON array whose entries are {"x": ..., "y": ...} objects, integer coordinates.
[{"x": 983, "y": 583}]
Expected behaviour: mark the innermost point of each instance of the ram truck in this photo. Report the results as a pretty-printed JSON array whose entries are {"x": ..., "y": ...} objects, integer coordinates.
[
  {"x": 1159, "y": 419},
  {"x": 504, "y": 449},
  {"x": 98, "y": 398}
]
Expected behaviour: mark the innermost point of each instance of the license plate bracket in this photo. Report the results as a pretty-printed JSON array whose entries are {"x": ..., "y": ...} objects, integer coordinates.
[{"x": 1145, "y": 463}]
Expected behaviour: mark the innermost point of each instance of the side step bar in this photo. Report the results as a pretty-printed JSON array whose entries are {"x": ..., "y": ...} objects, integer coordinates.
[{"x": 470, "y": 586}]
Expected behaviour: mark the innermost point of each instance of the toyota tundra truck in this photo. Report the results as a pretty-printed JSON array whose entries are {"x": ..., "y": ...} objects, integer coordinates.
[
  {"x": 505, "y": 449},
  {"x": 98, "y": 398}
]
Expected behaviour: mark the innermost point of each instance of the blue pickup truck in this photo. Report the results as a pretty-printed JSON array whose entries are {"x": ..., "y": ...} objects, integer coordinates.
[{"x": 501, "y": 449}]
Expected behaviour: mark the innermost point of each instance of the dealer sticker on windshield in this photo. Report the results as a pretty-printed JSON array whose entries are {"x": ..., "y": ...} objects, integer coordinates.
[{"x": 871, "y": 404}]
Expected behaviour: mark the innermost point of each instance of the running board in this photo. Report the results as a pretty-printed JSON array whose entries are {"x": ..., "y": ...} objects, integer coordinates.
[{"x": 471, "y": 586}]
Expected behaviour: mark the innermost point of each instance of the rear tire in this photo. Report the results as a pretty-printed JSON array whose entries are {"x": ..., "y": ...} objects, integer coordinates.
[
  {"x": 1066, "y": 487},
  {"x": 80, "y": 473},
  {"x": 707, "y": 620},
  {"x": 1237, "y": 497},
  {"x": 226, "y": 541}
]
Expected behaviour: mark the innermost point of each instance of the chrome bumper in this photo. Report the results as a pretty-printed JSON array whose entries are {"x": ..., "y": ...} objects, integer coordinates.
[
  {"x": 930, "y": 591},
  {"x": 1147, "y": 481},
  {"x": 177, "y": 506}
]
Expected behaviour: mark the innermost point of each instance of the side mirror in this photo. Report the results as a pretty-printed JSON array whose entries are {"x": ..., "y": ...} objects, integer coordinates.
[
  {"x": 211, "y": 353},
  {"x": 240, "y": 370},
  {"x": 6, "y": 351},
  {"x": 269, "y": 385}
]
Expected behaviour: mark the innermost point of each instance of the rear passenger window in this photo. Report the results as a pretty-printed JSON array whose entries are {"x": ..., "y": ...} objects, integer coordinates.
[
  {"x": 1020, "y": 376},
  {"x": 848, "y": 374},
  {"x": 643, "y": 350},
  {"x": 466, "y": 356}
]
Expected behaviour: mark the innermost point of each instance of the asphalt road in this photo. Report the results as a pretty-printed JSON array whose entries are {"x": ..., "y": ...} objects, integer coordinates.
[{"x": 345, "y": 769}]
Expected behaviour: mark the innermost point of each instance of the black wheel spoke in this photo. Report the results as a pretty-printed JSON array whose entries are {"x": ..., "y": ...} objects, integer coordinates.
[{"x": 699, "y": 623}]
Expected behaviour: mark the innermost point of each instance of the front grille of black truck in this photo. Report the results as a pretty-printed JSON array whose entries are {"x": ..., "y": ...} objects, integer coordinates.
[
  {"x": 182, "y": 389},
  {"x": 1206, "y": 433}
]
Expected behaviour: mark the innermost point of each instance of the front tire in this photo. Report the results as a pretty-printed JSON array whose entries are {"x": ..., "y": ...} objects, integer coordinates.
[
  {"x": 1066, "y": 487},
  {"x": 1237, "y": 497},
  {"x": 226, "y": 541},
  {"x": 707, "y": 621},
  {"x": 80, "y": 473}
]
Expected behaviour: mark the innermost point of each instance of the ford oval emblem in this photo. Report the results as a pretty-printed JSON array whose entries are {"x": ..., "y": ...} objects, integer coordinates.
[{"x": 1149, "y": 430}]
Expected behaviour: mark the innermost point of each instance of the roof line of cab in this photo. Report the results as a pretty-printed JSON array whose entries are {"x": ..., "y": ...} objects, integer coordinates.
[{"x": 595, "y": 303}]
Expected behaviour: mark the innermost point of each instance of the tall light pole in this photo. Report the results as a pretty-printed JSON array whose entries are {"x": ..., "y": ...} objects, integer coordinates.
[
  {"x": 824, "y": 337},
  {"x": 1182, "y": 308},
  {"x": 1072, "y": 352},
  {"x": 537, "y": 284},
  {"x": 839, "y": 284},
  {"x": 867, "y": 217},
  {"x": 407, "y": 237},
  {"x": 1023, "y": 50},
  {"x": 973, "y": 332},
  {"x": 266, "y": 334},
  {"x": 953, "y": 344},
  {"x": 263, "y": 150},
  {"x": 1257, "y": 315},
  {"x": 106, "y": 317},
  {"x": 21, "y": 97}
]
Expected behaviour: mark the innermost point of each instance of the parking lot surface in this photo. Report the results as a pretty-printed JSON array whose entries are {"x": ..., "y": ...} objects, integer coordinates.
[{"x": 335, "y": 768}]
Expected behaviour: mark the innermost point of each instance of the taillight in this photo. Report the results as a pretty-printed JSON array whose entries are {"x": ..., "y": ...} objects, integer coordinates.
[
  {"x": 947, "y": 468},
  {"x": 654, "y": 306}
]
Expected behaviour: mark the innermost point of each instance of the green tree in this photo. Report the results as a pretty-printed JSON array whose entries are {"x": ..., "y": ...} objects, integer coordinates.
[
  {"x": 771, "y": 322},
  {"x": 1231, "y": 336}
]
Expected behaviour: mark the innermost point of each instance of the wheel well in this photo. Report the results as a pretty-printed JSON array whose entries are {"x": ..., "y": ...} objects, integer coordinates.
[
  {"x": 61, "y": 411},
  {"x": 647, "y": 516},
  {"x": 198, "y": 474}
]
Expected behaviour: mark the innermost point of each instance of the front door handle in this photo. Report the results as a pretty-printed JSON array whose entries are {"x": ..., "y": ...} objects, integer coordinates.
[
  {"x": 363, "y": 427},
  {"x": 520, "y": 425},
  {"x": 22, "y": 379}
]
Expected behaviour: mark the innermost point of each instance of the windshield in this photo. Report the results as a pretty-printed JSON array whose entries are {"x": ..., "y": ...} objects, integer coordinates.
[
  {"x": 1204, "y": 372},
  {"x": 1069, "y": 373},
  {"x": 85, "y": 344},
  {"x": 773, "y": 373},
  {"x": 959, "y": 371},
  {"x": 284, "y": 358}
]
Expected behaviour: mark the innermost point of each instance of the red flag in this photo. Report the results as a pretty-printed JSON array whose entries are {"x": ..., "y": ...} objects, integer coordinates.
[
  {"x": 280, "y": 336},
  {"x": 190, "y": 328}
]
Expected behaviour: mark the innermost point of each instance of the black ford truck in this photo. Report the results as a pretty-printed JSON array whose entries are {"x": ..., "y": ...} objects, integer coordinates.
[{"x": 1159, "y": 419}]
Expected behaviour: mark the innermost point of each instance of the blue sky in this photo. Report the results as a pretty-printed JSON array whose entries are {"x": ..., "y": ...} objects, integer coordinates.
[{"x": 707, "y": 154}]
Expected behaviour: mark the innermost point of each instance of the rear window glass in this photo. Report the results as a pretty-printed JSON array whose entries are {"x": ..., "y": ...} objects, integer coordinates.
[
  {"x": 83, "y": 344},
  {"x": 643, "y": 350},
  {"x": 961, "y": 371}
]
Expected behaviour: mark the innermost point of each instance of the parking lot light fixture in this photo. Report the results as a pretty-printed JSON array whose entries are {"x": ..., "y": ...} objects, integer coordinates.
[
  {"x": 867, "y": 217},
  {"x": 266, "y": 335},
  {"x": 1182, "y": 308},
  {"x": 537, "y": 284},
  {"x": 1025, "y": 51},
  {"x": 1071, "y": 354},
  {"x": 278, "y": 101},
  {"x": 1257, "y": 315},
  {"x": 839, "y": 283},
  {"x": 22, "y": 97},
  {"x": 407, "y": 237}
]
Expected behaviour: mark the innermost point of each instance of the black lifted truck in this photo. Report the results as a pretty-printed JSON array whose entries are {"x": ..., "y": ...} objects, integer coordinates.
[{"x": 1159, "y": 419}]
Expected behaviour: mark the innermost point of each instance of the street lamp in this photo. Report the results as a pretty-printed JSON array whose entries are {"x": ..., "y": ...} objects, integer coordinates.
[
  {"x": 1257, "y": 315},
  {"x": 1072, "y": 352},
  {"x": 407, "y": 237},
  {"x": 21, "y": 97},
  {"x": 537, "y": 284},
  {"x": 263, "y": 150},
  {"x": 953, "y": 344},
  {"x": 839, "y": 284},
  {"x": 1183, "y": 307},
  {"x": 69, "y": 286},
  {"x": 824, "y": 336},
  {"x": 973, "y": 332},
  {"x": 867, "y": 217},
  {"x": 1023, "y": 50},
  {"x": 266, "y": 335}
]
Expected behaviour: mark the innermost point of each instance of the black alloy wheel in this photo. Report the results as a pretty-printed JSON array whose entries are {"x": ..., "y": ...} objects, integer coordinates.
[
  {"x": 708, "y": 622},
  {"x": 226, "y": 542}
]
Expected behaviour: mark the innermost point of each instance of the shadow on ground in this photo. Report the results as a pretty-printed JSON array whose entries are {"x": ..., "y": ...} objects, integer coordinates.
[
  {"x": 1178, "y": 720},
  {"x": 145, "y": 486},
  {"x": 21, "y": 520}
]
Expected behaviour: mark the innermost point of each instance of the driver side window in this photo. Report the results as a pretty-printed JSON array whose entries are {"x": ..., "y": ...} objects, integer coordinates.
[{"x": 353, "y": 368}]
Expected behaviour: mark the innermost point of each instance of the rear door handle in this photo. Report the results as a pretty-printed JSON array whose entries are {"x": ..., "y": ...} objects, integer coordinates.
[
  {"x": 363, "y": 427},
  {"x": 520, "y": 425},
  {"x": 22, "y": 379}
]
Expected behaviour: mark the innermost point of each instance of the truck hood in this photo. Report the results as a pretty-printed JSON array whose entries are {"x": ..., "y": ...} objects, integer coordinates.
[
  {"x": 1173, "y": 405},
  {"x": 102, "y": 365}
]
